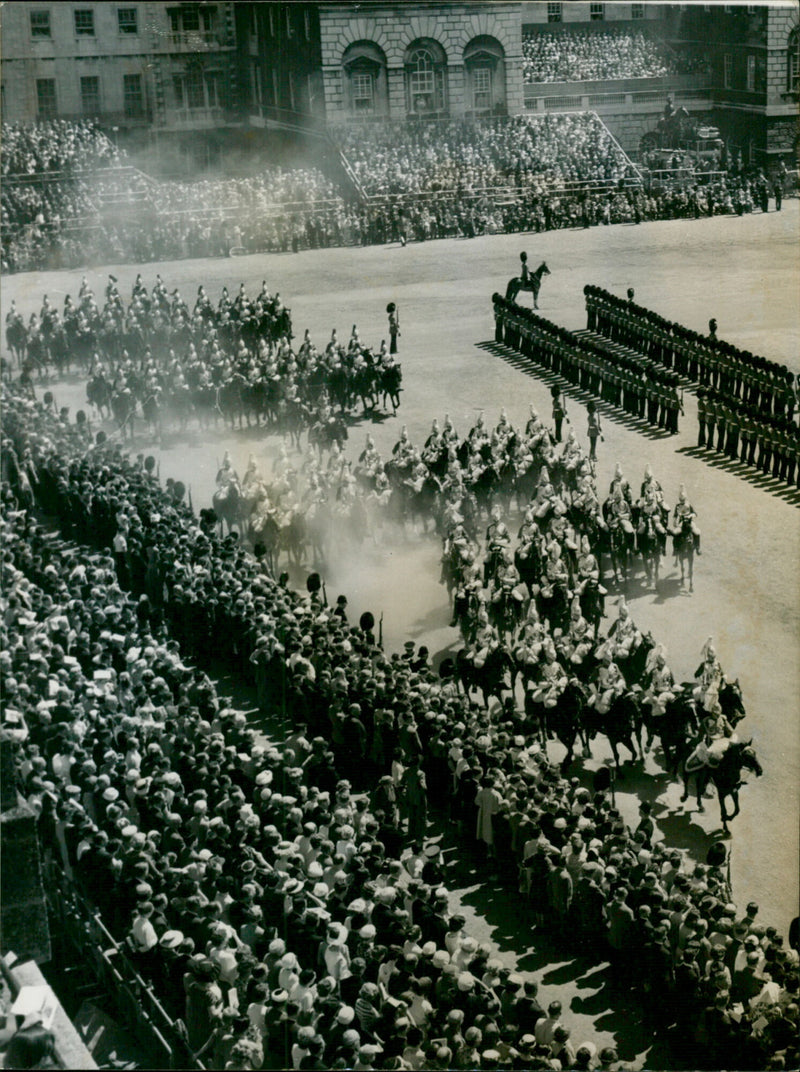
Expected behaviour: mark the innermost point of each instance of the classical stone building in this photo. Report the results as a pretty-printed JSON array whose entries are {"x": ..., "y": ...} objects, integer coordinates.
[
  {"x": 169, "y": 66},
  {"x": 418, "y": 60}
]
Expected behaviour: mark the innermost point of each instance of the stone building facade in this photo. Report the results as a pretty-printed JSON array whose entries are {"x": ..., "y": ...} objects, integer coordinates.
[
  {"x": 418, "y": 60},
  {"x": 169, "y": 66}
]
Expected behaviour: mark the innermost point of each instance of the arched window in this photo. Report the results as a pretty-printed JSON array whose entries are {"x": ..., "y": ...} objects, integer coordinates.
[
  {"x": 484, "y": 65},
  {"x": 793, "y": 62},
  {"x": 364, "y": 65},
  {"x": 426, "y": 78}
]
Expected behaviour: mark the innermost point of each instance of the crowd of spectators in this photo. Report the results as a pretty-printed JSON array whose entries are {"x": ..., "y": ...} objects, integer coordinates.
[
  {"x": 536, "y": 152},
  {"x": 59, "y": 145},
  {"x": 337, "y": 949},
  {"x": 424, "y": 181},
  {"x": 599, "y": 56}
]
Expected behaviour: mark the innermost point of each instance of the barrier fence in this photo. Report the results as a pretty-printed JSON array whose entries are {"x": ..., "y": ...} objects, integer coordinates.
[{"x": 133, "y": 998}]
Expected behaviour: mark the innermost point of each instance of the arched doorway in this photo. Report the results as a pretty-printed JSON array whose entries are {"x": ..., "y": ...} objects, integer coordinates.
[
  {"x": 426, "y": 79},
  {"x": 485, "y": 76}
]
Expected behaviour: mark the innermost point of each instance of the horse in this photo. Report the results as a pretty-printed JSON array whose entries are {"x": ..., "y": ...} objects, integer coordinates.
[
  {"x": 389, "y": 382},
  {"x": 227, "y": 503},
  {"x": 649, "y": 543},
  {"x": 730, "y": 700},
  {"x": 324, "y": 435},
  {"x": 532, "y": 284},
  {"x": 621, "y": 724},
  {"x": 675, "y": 728},
  {"x": 16, "y": 336},
  {"x": 726, "y": 777},
  {"x": 564, "y": 721},
  {"x": 619, "y": 547},
  {"x": 683, "y": 547},
  {"x": 490, "y": 677},
  {"x": 98, "y": 393}
]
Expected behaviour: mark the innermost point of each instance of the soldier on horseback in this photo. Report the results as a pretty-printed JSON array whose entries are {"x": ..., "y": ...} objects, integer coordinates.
[
  {"x": 684, "y": 515},
  {"x": 660, "y": 688},
  {"x": 226, "y": 474},
  {"x": 610, "y": 685}
]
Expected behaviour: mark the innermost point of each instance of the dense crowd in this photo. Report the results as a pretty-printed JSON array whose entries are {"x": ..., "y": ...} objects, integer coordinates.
[
  {"x": 58, "y": 145},
  {"x": 599, "y": 56},
  {"x": 538, "y": 152},
  {"x": 424, "y": 181},
  {"x": 337, "y": 949}
]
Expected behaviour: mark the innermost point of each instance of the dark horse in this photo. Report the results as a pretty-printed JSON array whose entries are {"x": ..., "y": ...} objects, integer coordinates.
[
  {"x": 726, "y": 777},
  {"x": 491, "y": 678},
  {"x": 563, "y": 721},
  {"x": 621, "y": 724},
  {"x": 683, "y": 541},
  {"x": 532, "y": 284}
]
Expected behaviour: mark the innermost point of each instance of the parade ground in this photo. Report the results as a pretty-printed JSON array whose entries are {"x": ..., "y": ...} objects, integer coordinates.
[{"x": 745, "y": 272}]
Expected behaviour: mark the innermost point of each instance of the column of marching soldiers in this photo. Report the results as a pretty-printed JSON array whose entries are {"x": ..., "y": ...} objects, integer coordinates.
[{"x": 638, "y": 361}]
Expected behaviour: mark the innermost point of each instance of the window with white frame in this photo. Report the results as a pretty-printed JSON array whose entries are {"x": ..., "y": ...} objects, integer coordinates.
[
  {"x": 128, "y": 20},
  {"x": 637, "y": 11},
  {"x": 482, "y": 88},
  {"x": 554, "y": 12},
  {"x": 751, "y": 74},
  {"x": 90, "y": 94},
  {"x": 423, "y": 81},
  {"x": 46, "y": 97},
  {"x": 132, "y": 96},
  {"x": 597, "y": 12},
  {"x": 84, "y": 22},
  {"x": 727, "y": 70},
  {"x": 363, "y": 89},
  {"x": 40, "y": 24}
]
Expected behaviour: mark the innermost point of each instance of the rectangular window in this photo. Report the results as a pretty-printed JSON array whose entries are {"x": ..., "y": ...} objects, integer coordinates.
[
  {"x": 90, "y": 94},
  {"x": 363, "y": 91},
  {"x": 554, "y": 12},
  {"x": 190, "y": 19},
  {"x": 751, "y": 74},
  {"x": 40, "y": 24},
  {"x": 727, "y": 70},
  {"x": 127, "y": 20},
  {"x": 133, "y": 99},
  {"x": 84, "y": 22},
  {"x": 482, "y": 88},
  {"x": 597, "y": 12},
  {"x": 193, "y": 84},
  {"x": 46, "y": 97},
  {"x": 637, "y": 11},
  {"x": 793, "y": 67}
]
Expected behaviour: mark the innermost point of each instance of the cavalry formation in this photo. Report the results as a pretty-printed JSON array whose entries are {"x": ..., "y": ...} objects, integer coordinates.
[{"x": 167, "y": 365}]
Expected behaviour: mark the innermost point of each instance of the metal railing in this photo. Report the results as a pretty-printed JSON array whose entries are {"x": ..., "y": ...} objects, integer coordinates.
[{"x": 133, "y": 997}]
